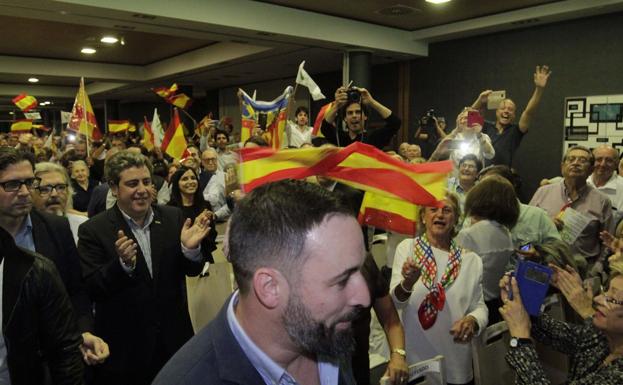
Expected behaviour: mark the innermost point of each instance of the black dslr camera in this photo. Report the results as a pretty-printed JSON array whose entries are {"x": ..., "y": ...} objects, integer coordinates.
[
  {"x": 427, "y": 120},
  {"x": 353, "y": 95}
]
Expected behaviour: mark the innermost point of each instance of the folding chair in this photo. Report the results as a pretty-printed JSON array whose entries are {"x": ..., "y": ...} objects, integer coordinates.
[
  {"x": 429, "y": 372},
  {"x": 488, "y": 351},
  {"x": 555, "y": 364}
]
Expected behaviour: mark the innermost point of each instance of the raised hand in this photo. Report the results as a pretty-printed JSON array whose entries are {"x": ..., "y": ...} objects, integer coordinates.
[
  {"x": 513, "y": 311},
  {"x": 541, "y": 75},
  {"x": 579, "y": 296},
  {"x": 191, "y": 236}
]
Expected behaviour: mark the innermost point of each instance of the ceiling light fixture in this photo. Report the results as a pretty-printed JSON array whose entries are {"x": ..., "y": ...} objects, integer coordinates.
[
  {"x": 33, "y": 80},
  {"x": 109, "y": 39},
  {"x": 437, "y": 1},
  {"x": 88, "y": 51}
]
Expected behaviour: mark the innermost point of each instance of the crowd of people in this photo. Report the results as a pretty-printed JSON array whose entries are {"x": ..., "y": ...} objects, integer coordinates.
[{"x": 97, "y": 239}]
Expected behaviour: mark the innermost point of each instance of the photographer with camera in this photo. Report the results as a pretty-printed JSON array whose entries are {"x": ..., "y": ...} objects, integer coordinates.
[
  {"x": 430, "y": 132},
  {"x": 351, "y": 106}
]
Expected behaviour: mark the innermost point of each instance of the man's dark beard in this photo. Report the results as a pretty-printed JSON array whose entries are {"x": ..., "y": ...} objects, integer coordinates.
[{"x": 314, "y": 337}]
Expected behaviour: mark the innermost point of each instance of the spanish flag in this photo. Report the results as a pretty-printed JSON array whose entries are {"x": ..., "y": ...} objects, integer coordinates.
[
  {"x": 170, "y": 94},
  {"x": 116, "y": 126},
  {"x": 148, "y": 136},
  {"x": 359, "y": 165},
  {"x": 396, "y": 215},
  {"x": 25, "y": 102},
  {"x": 319, "y": 118},
  {"x": 21, "y": 126},
  {"x": 174, "y": 141},
  {"x": 82, "y": 116}
]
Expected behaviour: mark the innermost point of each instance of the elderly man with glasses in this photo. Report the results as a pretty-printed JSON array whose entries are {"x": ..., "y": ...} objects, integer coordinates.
[{"x": 579, "y": 211}]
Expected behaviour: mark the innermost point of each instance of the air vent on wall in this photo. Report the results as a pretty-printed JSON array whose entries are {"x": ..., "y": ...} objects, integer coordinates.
[{"x": 397, "y": 10}]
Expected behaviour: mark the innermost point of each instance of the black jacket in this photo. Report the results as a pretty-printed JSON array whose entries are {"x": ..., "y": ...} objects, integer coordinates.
[
  {"x": 38, "y": 323},
  {"x": 143, "y": 318}
]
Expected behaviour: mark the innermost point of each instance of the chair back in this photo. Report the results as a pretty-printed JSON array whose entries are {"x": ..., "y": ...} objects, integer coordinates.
[
  {"x": 428, "y": 372},
  {"x": 488, "y": 351}
]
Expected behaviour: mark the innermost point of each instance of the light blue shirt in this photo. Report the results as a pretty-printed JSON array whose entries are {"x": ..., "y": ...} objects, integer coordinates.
[
  {"x": 23, "y": 237},
  {"x": 143, "y": 238},
  {"x": 271, "y": 372}
]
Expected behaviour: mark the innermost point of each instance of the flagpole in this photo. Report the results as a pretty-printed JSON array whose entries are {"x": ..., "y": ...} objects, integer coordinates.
[
  {"x": 191, "y": 118},
  {"x": 84, "y": 113}
]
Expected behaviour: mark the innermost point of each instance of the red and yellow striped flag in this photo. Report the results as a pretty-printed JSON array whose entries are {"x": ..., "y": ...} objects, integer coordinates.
[
  {"x": 174, "y": 141},
  {"x": 82, "y": 116},
  {"x": 359, "y": 165},
  {"x": 21, "y": 126},
  {"x": 319, "y": 118},
  {"x": 148, "y": 136},
  {"x": 116, "y": 126},
  {"x": 396, "y": 215},
  {"x": 170, "y": 94},
  {"x": 25, "y": 102}
]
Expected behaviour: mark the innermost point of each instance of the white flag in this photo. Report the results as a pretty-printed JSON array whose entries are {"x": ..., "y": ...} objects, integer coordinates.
[
  {"x": 65, "y": 116},
  {"x": 156, "y": 128},
  {"x": 304, "y": 79}
]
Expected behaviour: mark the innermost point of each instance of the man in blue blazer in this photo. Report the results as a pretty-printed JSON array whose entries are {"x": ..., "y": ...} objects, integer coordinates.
[{"x": 296, "y": 254}]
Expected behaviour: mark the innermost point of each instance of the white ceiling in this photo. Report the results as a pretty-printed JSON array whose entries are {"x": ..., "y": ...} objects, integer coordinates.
[{"x": 217, "y": 43}]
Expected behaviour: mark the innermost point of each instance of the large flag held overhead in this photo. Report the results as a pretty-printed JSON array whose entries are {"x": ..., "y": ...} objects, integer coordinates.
[
  {"x": 174, "y": 141},
  {"x": 82, "y": 116},
  {"x": 396, "y": 215},
  {"x": 172, "y": 96},
  {"x": 156, "y": 129},
  {"x": 303, "y": 78},
  {"x": 25, "y": 102},
  {"x": 21, "y": 126},
  {"x": 271, "y": 116},
  {"x": 148, "y": 136},
  {"x": 359, "y": 165}
]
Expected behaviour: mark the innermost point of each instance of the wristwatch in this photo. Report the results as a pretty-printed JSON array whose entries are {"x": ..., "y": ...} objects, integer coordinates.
[
  {"x": 514, "y": 342},
  {"x": 400, "y": 351}
]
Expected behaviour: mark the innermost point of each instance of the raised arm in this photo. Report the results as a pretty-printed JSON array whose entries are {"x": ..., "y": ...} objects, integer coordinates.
[{"x": 541, "y": 75}]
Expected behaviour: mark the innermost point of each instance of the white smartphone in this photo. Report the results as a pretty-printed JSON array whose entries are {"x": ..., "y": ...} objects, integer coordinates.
[{"x": 494, "y": 99}]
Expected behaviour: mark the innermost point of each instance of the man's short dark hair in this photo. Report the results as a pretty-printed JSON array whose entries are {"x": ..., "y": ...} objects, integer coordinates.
[
  {"x": 474, "y": 159},
  {"x": 301, "y": 109},
  {"x": 221, "y": 132},
  {"x": 10, "y": 156},
  {"x": 269, "y": 226},
  {"x": 122, "y": 161}
]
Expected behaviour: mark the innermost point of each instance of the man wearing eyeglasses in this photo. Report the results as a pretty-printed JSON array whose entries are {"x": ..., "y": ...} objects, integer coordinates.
[
  {"x": 38, "y": 321},
  {"x": 46, "y": 234},
  {"x": 579, "y": 211}
]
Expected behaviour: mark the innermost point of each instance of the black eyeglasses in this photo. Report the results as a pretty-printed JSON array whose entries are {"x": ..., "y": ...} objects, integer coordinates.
[
  {"x": 47, "y": 189},
  {"x": 16, "y": 184}
]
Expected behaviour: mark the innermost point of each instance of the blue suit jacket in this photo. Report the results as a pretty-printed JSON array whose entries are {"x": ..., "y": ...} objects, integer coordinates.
[{"x": 213, "y": 356}]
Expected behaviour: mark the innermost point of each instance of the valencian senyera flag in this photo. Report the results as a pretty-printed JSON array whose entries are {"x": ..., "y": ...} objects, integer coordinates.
[
  {"x": 82, "y": 116},
  {"x": 25, "y": 102},
  {"x": 270, "y": 116},
  {"x": 393, "y": 188}
]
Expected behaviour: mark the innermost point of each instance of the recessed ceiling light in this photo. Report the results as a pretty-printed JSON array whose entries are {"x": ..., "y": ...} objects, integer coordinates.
[
  {"x": 88, "y": 51},
  {"x": 33, "y": 80},
  {"x": 109, "y": 39},
  {"x": 437, "y": 1}
]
